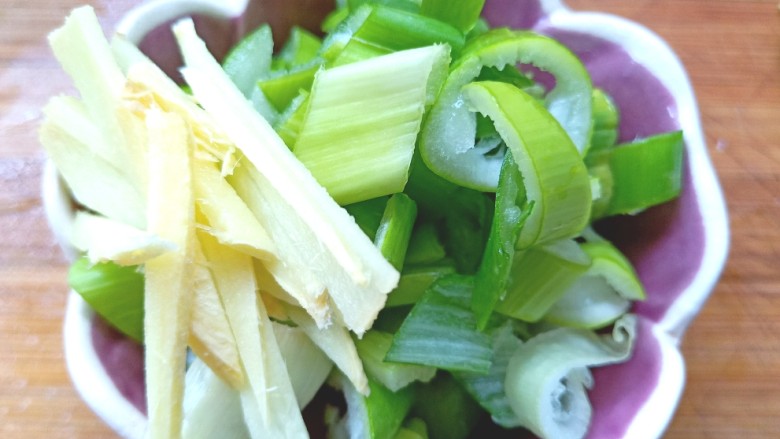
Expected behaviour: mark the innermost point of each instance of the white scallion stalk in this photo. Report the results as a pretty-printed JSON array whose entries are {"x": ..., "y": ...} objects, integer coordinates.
[
  {"x": 211, "y": 407},
  {"x": 547, "y": 377},
  {"x": 307, "y": 365}
]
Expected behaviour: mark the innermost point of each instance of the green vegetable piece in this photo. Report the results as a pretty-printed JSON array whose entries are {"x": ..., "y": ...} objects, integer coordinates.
[
  {"x": 441, "y": 330},
  {"x": 447, "y": 410},
  {"x": 424, "y": 246},
  {"x": 372, "y": 349},
  {"x": 115, "y": 292},
  {"x": 548, "y": 376},
  {"x": 368, "y": 214},
  {"x": 539, "y": 277},
  {"x": 405, "y": 5},
  {"x": 289, "y": 124},
  {"x": 645, "y": 173},
  {"x": 250, "y": 59},
  {"x": 281, "y": 88},
  {"x": 488, "y": 390},
  {"x": 447, "y": 138},
  {"x": 395, "y": 229},
  {"x": 555, "y": 178},
  {"x": 606, "y": 119},
  {"x": 463, "y": 16},
  {"x": 378, "y": 415},
  {"x": 301, "y": 48},
  {"x": 415, "y": 281},
  {"x": 510, "y": 215}
]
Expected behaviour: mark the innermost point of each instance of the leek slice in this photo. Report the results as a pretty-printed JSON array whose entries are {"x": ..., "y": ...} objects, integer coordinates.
[
  {"x": 441, "y": 330},
  {"x": 548, "y": 376},
  {"x": 115, "y": 292},
  {"x": 301, "y": 47},
  {"x": 603, "y": 293},
  {"x": 606, "y": 120},
  {"x": 646, "y": 172},
  {"x": 211, "y": 407},
  {"x": 291, "y": 120},
  {"x": 555, "y": 178},
  {"x": 415, "y": 281},
  {"x": 463, "y": 17},
  {"x": 372, "y": 349},
  {"x": 168, "y": 283},
  {"x": 378, "y": 415},
  {"x": 354, "y": 273},
  {"x": 395, "y": 229},
  {"x": 445, "y": 407},
  {"x": 250, "y": 59},
  {"x": 363, "y": 118},
  {"x": 447, "y": 138},
  {"x": 424, "y": 245},
  {"x": 488, "y": 390},
  {"x": 510, "y": 216},
  {"x": 540, "y": 276},
  {"x": 281, "y": 87}
]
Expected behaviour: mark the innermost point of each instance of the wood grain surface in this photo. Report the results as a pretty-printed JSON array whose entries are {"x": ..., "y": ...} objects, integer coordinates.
[{"x": 732, "y": 52}]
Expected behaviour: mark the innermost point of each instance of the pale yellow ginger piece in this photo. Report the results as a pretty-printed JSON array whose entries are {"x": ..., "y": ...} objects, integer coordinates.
[
  {"x": 325, "y": 242},
  {"x": 84, "y": 53},
  {"x": 229, "y": 219},
  {"x": 169, "y": 279},
  {"x": 268, "y": 400},
  {"x": 337, "y": 344},
  {"x": 67, "y": 134},
  {"x": 211, "y": 337},
  {"x": 104, "y": 239}
]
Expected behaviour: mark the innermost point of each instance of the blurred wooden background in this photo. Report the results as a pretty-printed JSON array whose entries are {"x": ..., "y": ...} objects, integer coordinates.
[{"x": 732, "y": 52}]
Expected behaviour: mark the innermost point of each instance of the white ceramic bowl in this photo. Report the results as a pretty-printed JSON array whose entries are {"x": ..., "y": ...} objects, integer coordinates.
[{"x": 679, "y": 249}]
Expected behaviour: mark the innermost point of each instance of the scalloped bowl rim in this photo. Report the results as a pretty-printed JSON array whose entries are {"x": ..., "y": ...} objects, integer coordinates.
[{"x": 648, "y": 49}]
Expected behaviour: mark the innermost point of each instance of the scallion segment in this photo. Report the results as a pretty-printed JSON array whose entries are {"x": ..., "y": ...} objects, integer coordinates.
[
  {"x": 463, "y": 17},
  {"x": 395, "y": 229},
  {"x": 372, "y": 349}
]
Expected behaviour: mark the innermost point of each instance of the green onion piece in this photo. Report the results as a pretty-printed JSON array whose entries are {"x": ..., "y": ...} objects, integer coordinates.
[
  {"x": 488, "y": 390},
  {"x": 590, "y": 303},
  {"x": 406, "y": 5},
  {"x": 334, "y": 19},
  {"x": 462, "y": 17},
  {"x": 395, "y": 229},
  {"x": 445, "y": 407},
  {"x": 646, "y": 172},
  {"x": 359, "y": 135},
  {"x": 464, "y": 215},
  {"x": 405, "y": 433},
  {"x": 418, "y": 426},
  {"x": 211, "y": 407},
  {"x": 555, "y": 178},
  {"x": 372, "y": 349},
  {"x": 539, "y": 277},
  {"x": 441, "y": 330},
  {"x": 378, "y": 415},
  {"x": 250, "y": 59},
  {"x": 547, "y": 377},
  {"x": 280, "y": 88},
  {"x": 510, "y": 215},
  {"x": 368, "y": 214},
  {"x": 415, "y": 281},
  {"x": 387, "y": 29},
  {"x": 481, "y": 26},
  {"x": 424, "y": 246},
  {"x": 289, "y": 123},
  {"x": 115, "y": 292},
  {"x": 301, "y": 47},
  {"x": 605, "y": 122},
  {"x": 600, "y": 171},
  {"x": 447, "y": 138}
]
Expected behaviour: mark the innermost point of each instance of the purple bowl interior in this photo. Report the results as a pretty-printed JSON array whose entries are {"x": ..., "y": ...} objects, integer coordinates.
[{"x": 665, "y": 243}]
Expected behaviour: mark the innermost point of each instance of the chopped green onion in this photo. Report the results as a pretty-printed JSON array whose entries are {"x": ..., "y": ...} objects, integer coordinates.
[
  {"x": 378, "y": 415},
  {"x": 368, "y": 214},
  {"x": 539, "y": 277},
  {"x": 415, "y": 281},
  {"x": 547, "y": 377},
  {"x": 445, "y": 407},
  {"x": 281, "y": 87},
  {"x": 605, "y": 122},
  {"x": 250, "y": 59},
  {"x": 301, "y": 47},
  {"x": 424, "y": 246},
  {"x": 115, "y": 292},
  {"x": 372, "y": 349},
  {"x": 645, "y": 173},
  {"x": 395, "y": 229},
  {"x": 289, "y": 123},
  {"x": 462, "y": 17},
  {"x": 441, "y": 330},
  {"x": 510, "y": 215},
  {"x": 488, "y": 390},
  {"x": 447, "y": 138},
  {"x": 555, "y": 178},
  {"x": 363, "y": 118}
]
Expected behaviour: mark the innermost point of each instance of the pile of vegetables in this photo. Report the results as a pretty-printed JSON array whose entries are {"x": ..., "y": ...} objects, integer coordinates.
[{"x": 399, "y": 210}]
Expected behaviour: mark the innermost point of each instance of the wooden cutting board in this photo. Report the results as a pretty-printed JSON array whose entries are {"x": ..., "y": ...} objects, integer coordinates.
[{"x": 732, "y": 52}]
